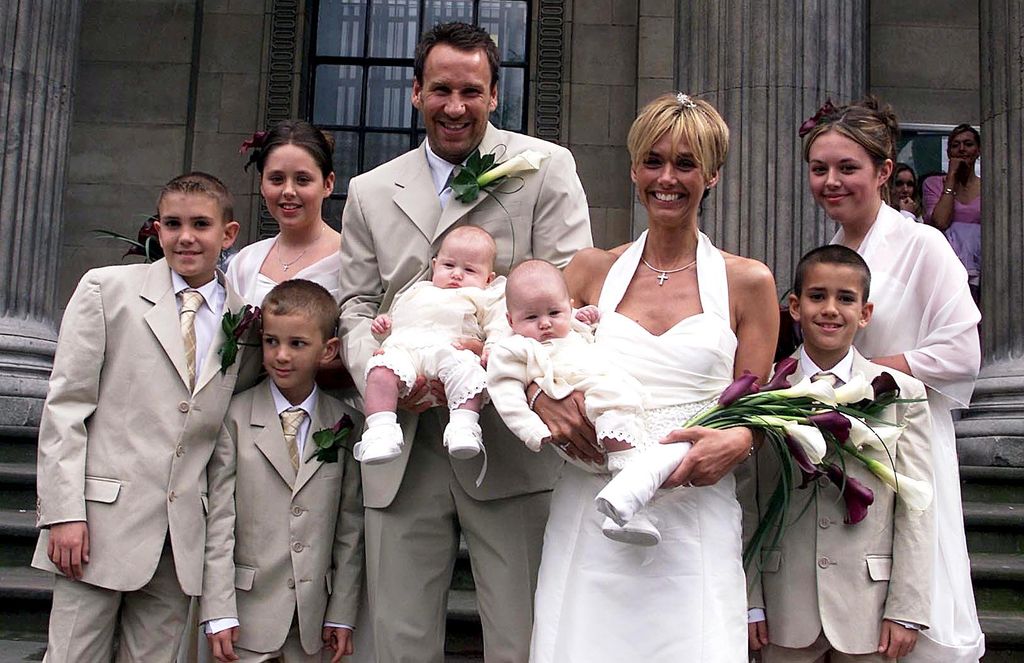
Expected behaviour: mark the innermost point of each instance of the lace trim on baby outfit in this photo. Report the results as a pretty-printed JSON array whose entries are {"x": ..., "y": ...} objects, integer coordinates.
[
  {"x": 463, "y": 379},
  {"x": 621, "y": 426},
  {"x": 396, "y": 366}
]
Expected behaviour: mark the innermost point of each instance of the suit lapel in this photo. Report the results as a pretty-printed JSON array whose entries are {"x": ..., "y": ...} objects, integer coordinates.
[
  {"x": 211, "y": 365},
  {"x": 266, "y": 430},
  {"x": 163, "y": 317},
  {"x": 456, "y": 210},
  {"x": 416, "y": 196},
  {"x": 309, "y": 465}
]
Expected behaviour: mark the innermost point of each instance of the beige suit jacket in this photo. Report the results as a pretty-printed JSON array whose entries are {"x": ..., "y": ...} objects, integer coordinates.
[
  {"x": 393, "y": 225},
  {"x": 826, "y": 576},
  {"x": 280, "y": 542},
  {"x": 123, "y": 444}
]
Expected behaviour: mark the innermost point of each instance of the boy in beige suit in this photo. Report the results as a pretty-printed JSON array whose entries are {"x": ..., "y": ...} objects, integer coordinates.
[
  {"x": 832, "y": 591},
  {"x": 284, "y": 555},
  {"x": 136, "y": 398}
]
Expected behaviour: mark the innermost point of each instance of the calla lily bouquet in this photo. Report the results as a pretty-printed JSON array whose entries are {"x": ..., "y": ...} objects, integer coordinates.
[
  {"x": 481, "y": 173},
  {"x": 814, "y": 428},
  {"x": 329, "y": 441}
]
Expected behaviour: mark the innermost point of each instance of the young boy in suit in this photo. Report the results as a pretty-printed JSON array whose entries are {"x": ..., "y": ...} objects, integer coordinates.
[
  {"x": 831, "y": 591},
  {"x": 136, "y": 398},
  {"x": 284, "y": 565}
]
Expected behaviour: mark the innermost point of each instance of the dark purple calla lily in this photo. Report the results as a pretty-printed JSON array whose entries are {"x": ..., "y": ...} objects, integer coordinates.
[
  {"x": 833, "y": 422},
  {"x": 857, "y": 496},
  {"x": 344, "y": 423},
  {"x": 808, "y": 470},
  {"x": 886, "y": 391},
  {"x": 744, "y": 385},
  {"x": 250, "y": 316},
  {"x": 780, "y": 378}
]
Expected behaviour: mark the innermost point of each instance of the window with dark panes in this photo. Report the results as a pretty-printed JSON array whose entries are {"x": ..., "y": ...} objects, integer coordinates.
[{"x": 361, "y": 73}]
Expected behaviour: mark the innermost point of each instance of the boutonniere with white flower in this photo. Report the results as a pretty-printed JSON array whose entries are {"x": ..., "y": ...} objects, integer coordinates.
[
  {"x": 329, "y": 440},
  {"x": 235, "y": 325},
  {"x": 482, "y": 173}
]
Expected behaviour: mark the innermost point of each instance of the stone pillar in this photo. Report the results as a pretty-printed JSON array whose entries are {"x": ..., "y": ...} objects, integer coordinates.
[
  {"x": 992, "y": 431},
  {"x": 767, "y": 67},
  {"x": 38, "y": 48}
]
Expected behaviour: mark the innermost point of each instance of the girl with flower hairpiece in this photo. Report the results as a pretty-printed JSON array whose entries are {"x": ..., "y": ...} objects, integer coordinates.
[
  {"x": 925, "y": 324},
  {"x": 294, "y": 161},
  {"x": 685, "y": 319}
]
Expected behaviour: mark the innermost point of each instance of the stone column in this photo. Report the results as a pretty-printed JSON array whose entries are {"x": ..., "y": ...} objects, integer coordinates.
[
  {"x": 38, "y": 48},
  {"x": 992, "y": 431},
  {"x": 767, "y": 67}
]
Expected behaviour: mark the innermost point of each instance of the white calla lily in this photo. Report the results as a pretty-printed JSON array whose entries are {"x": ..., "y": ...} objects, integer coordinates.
[
  {"x": 854, "y": 391},
  {"x": 880, "y": 436},
  {"x": 915, "y": 493},
  {"x": 809, "y": 438},
  {"x": 526, "y": 161},
  {"x": 819, "y": 390}
]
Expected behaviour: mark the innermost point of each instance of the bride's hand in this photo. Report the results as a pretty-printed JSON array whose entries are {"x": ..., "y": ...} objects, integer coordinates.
[
  {"x": 714, "y": 454},
  {"x": 571, "y": 431}
]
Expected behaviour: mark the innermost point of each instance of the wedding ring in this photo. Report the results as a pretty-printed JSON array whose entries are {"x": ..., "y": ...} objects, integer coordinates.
[{"x": 563, "y": 446}]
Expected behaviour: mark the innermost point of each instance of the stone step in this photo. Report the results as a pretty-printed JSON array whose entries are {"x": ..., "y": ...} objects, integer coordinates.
[
  {"x": 17, "y": 449},
  {"x": 1002, "y": 632},
  {"x": 998, "y": 581},
  {"x": 994, "y": 527},
  {"x": 992, "y": 484}
]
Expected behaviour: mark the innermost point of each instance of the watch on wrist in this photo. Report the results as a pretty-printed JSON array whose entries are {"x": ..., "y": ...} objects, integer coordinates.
[{"x": 948, "y": 191}]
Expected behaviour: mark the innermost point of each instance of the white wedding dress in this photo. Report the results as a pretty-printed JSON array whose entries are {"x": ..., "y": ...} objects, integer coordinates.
[{"x": 683, "y": 600}]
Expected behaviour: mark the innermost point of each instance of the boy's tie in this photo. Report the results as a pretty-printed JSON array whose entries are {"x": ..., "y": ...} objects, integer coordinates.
[
  {"x": 191, "y": 300},
  {"x": 826, "y": 376},
  {"x": 291, "y": 420}
]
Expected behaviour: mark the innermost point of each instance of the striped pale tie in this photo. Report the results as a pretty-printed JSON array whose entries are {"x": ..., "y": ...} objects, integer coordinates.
[
  {"x": 291, "y": 420},
  {"x": 191, "y": 300}
]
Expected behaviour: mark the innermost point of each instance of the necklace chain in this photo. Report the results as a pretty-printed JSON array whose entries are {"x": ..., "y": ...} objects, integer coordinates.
[
  {"x": 286, "y": 265},
  {"x": 663, "y": 273}
]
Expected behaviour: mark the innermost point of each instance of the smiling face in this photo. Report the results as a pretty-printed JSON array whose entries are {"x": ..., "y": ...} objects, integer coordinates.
[
  {"x": 455, "y": 97},
  {"x": 294, "y": 349},
  {"x": 844, "y": 180},
  {"x": 293, "y": 187},
  {"x": 964, "y": 146},
  {"x": 830, "y": 310},
  {"x": 540, "y": 309},
  {"x": 192, "y": 232},
  {"x": 669, "y": 182},
  {"x": 463, "y": 261}
]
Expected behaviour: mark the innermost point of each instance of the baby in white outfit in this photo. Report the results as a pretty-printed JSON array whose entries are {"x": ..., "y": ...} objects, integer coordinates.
[
  {"x": 424, "y": 335},
  {"x": 553, "y": 348}
]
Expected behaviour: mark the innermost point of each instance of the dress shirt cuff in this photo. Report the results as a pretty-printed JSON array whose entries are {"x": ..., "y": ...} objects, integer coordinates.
[
  {"x": 755, "y": 615},
  {"x": 217, "y": 625},
  {"x": 911, "y": 625},
  {"x": 334, "y": 625}
]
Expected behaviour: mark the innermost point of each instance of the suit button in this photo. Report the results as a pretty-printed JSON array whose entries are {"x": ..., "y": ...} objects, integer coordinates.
[
  {"x": 183, "y": 406},
  {"x": 297, "y": 547},
  {"x": 296, "y": 510},
  {"x": 823, "y": 562},
  {"x": 291, "y": 584},
  {"x": 824, "y": 523},
  {"x": 180, "y": 451},
  {"x": 171, "y": 497}
]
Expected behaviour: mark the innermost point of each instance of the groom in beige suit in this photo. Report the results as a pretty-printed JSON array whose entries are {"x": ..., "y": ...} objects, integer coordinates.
[
  {"x": 136, "y": 398},
  {"x": 832, "y": 591},
  {"x": 395, "y": 218}
]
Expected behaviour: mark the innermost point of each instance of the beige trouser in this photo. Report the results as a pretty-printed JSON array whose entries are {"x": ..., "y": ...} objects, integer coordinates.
[
  {"x": 410, "y": 554},
  {"x": 819, "y": 651},
  {"x": 84, "y": 619}
]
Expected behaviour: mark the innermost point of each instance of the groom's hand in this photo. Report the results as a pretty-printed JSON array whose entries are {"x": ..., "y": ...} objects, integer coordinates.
[{"x": 571, "y": 431}]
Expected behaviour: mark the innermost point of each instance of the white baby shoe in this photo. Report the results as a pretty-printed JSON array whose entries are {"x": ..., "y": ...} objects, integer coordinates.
[
  {"x": 463, "y": 439},
  {"x": 639, "y": 531},
  {"x": 380, "y": 444}
]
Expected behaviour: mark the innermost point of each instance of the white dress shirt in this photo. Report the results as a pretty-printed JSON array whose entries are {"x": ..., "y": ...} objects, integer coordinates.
[
  {"x": 207, "y": 317},
  {"x": 440, "y": 172}
]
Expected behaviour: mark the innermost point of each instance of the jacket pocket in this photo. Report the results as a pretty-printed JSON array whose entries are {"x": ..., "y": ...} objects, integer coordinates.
[
  {"x": 101, "y": 490},
  {"x": 879, "y": 566},
  {"x": 771, "y": 560},
  {"x": 244, "y": 577}
]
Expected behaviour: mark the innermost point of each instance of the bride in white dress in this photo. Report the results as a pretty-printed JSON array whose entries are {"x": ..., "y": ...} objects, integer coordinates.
[{"x": 684, "y": 318}]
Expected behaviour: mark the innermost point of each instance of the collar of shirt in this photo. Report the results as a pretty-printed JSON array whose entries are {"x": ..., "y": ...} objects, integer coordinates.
[
  {"x": 842, "y": 370},
  {"x": 212, "y": 292},
  {"x": 309, "y": 405},
  {"x": 440, "y": 170}
]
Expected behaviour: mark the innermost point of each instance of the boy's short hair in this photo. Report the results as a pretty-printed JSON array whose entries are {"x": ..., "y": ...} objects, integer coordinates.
[
  {"x": 533, "y": 267},
  {"x": 201, "y": 183},
  {"x": 298, "y": 296},
  {"x": 832, "y": 254}
]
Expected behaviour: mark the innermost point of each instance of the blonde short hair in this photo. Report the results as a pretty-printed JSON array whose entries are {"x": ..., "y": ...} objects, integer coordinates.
[{"x": 684, "y": 118}]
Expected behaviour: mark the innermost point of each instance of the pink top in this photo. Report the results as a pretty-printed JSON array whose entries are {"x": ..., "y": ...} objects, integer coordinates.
[{"x": 931, "y": 191}]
